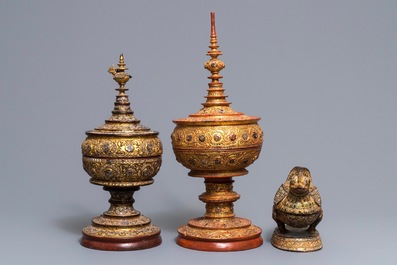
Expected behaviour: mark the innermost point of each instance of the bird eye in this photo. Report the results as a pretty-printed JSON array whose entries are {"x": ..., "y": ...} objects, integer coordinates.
[{"x": 294, "y": 180}]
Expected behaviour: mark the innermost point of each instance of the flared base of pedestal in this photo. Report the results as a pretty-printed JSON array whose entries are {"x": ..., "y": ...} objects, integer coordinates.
[
  {"x": 120, "y": 238},
  {"x": 121, "y": 227},
  {"x": 297, "y": 240},
  {"x": 221, "y": 234},
  {"x": 219, "y": 246},
  {"x": 113, "y": 244}
]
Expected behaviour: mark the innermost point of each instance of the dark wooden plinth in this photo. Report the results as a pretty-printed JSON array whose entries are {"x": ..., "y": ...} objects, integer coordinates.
[{"x": 120, "y": 244}]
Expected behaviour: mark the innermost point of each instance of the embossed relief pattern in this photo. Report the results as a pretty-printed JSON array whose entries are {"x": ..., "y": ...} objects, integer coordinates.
[
  {"x": 118, "y": 222},
  {"x": 218, "y": 187},
  {"x": 228, "y": 160},
  {"x": 122, "y": 147},
  {"x": 298, "y": 221},
  {"x": 220, "y": 223},
  {"x": 121, "y": 233},
  {"x": 122, "y": 170},
  {"x": 298, "y": 205},
  {"x": 210, "y": 234},
  {"x": 213, "y": 136},
  {"x": 216, "y": 109},
  {"x": 305, "y": 244},
  {"x": 219, "y": 210}
]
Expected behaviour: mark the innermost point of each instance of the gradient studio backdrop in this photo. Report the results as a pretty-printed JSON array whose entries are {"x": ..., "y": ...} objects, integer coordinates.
[{"x": 321, "y": 74}]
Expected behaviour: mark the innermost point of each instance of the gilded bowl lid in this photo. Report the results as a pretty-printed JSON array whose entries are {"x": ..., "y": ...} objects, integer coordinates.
[
  {"x": 216, "y": 109},
  {"x": 122, "y": 122}
]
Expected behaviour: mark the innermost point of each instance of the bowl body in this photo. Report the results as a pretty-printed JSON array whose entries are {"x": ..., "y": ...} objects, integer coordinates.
[
  {"x": 122, "y": 161},
  {"x": 214, "y": 149}
]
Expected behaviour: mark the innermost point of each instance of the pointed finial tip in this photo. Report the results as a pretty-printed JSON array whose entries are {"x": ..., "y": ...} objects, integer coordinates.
[
  {"x": 121, "y": 57},
  {"x": 213, "y": 30}
]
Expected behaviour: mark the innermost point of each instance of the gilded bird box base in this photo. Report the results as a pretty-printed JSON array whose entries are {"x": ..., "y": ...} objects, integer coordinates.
[
  {"x": 219, "y": 234},
  {"x": 297, "y": 240}
]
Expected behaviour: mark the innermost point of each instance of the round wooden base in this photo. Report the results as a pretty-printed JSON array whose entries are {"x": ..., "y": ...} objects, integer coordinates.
[
  {"x": 120, "y": 244},
  {"x": 219, "y": 246},
  {"x": 297, "y": 240},
  {"x": 221, "y": 234}
]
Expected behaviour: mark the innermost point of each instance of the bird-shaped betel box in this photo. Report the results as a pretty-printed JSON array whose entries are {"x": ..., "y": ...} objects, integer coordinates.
[{"x": 297, "y": 211}]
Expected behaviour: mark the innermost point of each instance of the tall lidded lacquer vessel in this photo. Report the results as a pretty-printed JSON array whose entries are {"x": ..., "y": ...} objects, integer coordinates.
[
  {"x": 121, "y": 155},
  {"x": 217, "y": 144}
]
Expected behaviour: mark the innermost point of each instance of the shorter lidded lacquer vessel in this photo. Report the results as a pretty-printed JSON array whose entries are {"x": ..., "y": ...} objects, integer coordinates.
[
  {"x": 121, "y": 155},
  {"x": 217, "y": 143},
  {"x": 297, "y": 211}
]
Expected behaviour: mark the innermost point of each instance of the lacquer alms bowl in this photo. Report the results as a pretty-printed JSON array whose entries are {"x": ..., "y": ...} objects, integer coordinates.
[
  {"x": 214, "y": 148},
  {"x": 217, "y": 143},
  {"x": 122, "y": 161},
  {"x": 121, "y": 155}
]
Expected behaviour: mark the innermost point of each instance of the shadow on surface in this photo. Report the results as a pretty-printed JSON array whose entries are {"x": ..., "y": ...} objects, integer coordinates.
[
  {"x": 74, "y": 224},
  {"x": 267, "y": 235},
  {"x": 171, "y": 220}
]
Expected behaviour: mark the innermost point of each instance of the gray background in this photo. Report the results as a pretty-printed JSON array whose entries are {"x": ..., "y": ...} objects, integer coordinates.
[{"x": 321, "y": 74}]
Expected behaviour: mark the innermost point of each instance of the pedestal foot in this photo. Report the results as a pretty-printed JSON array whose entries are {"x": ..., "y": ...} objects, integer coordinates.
[
  {"x": 118, "y": 240},
  {"x": 121, "y": 227},
  {"x": 221, "y": 235},
  {"x": 297, "y": 240}
]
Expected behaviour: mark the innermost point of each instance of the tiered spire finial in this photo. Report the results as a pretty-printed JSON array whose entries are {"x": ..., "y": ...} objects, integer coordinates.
[
  {"x": 122, "y": 111},
  {"x": 216, "y": 96},
  {"x": 122, "y": 121}
]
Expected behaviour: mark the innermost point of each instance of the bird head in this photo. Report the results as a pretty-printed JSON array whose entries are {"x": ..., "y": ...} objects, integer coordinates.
[{"x": 299, "y": 180}]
